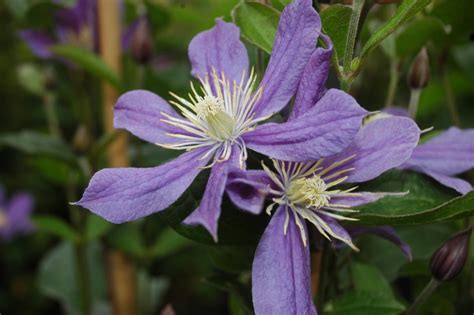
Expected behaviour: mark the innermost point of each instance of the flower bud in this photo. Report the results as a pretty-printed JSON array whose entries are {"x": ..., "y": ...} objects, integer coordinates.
[
  {"x": 419, "y": 73},
  {"x": 141, "y": 44},
  {"x": 449, "y": 260},
  {"x": 82, "y": 140}
]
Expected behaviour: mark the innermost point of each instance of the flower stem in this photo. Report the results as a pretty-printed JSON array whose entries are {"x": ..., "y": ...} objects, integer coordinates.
[
  {"x": 414, "y": 100},
  {"x": 357, "y": 7},
  {"x": 51, "y": 115},
  {"x": 450, "y": 99},
  {"x": 424, "y": 295},
  {"x": 393, "y": 83}
]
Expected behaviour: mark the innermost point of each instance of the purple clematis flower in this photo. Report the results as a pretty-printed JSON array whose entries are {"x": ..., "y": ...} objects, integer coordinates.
[
  {"x": 75, "y": 26},
  {"x": 311, "y": 191},
  {"x": 443, "y": 156},
  {"x": 220, "y": 121},
  {"x": 15, "y": 215}
]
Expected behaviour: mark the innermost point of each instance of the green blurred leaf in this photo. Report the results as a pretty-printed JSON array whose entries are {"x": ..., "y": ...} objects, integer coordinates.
[
  {"x": 258, "y": 23},
  {"x": 364, "y": 303},
  {"x": 151, "y": 292},
  {"x": 236, "y": 306},
  {"x": 232, "y": 285},
  {"x": 96, "y": 227},
  {"x": 57, "y": 278},
  {"x": 19, "y": 8},
  {"x": 407, "y": 10},
  {"x": 168, "y": 243},
  {"x": 419, "y": 33},
  {"x": 335, "y": 21},
  {"x": 55, "y": 226},
  {"x": 31, "y": 79},
  {"x": 426, "y": 201},
  {"x": 127, "y": 237},
  {"x": 89, "y": 61},
  {"x": 55, "y": 171},
  {"x": 234, "y": 259},
  {"x": 369, "y": 279},
  {"x": 36, "y": 143}
]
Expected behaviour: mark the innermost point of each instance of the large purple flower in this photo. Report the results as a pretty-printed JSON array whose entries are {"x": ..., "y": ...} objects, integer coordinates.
[
  {"x": 219, "y": 122},
  {"x": 75, "y": 26},
  {"x": 311, "y": 192},
  {"x": 15, "y": 215}
]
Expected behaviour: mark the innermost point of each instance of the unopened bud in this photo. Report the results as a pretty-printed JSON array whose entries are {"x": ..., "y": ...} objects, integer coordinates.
[
  {"x": 82, "y": 140},
  {"x": 141, "y": 45},
  {"x": 419, "y": 74},
  {"x": 449, "y": 260}
]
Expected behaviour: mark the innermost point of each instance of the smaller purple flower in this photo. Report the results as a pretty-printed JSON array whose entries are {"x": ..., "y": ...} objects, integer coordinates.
[{"x": 15, "y": 215}]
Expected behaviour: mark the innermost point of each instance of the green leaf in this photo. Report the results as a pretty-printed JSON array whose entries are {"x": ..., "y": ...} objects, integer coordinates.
[
  {"x": 31, "y": 78},
  {"x": 419, "y": 33},
  {"x": 96, "y": 227},
  {"x": 370, "y": 279},
  {"x": 53, "y": 170},
  {"x": 364, "y": 303},
  {"x": 234, "y": 259},
  {"x": 55, "y": 226},
  {"x": 426, "y": 202},
  {"x": 232, "y": 285},
  {"x": 407, "y": 10},
  {"x": 258, "y": 23},
  {"x": 335, "y": 21},
  {"x": 57, "y": 277},
  {"x": 128, "y": 238},
  {"x": 168, "y": 243},
  {"x": 151, "y": 292},
  {"x": 89, "y": 61},
  {"x": 36, "y": 143}
]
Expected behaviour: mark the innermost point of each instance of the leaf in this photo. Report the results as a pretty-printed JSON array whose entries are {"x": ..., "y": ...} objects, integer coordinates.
[
  {"x": 364, "y": 303},
  {"x": 53, "y": 170},
  {"x": 96, "y": 227},
  {"x": 232, "y": 285},
  {"x": 335, "y": 21},
  {"x": 168, "y": 243},
  {"x": 233, "y": 259},
  {"x": 151, "y": 292},
  {"x": 31, "y": 78},
  {"x": 426, "y": 202},
  {"x": 36, "y": 143},
  {"x": 407, "y": 10},
  {"x": 128, "y": 238},
  {"x": 55, "y": 226},
  {"x": 57, "y": 277},
  {"x": 368, "y": 278},
  {"x": 89, "y": 61},
  {"x": 258, "y": 23},
  {"x": 418, "y": 34}
]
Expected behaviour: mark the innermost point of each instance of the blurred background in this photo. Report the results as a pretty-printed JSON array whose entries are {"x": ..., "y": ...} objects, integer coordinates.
[{"x": 60, "y": 68}]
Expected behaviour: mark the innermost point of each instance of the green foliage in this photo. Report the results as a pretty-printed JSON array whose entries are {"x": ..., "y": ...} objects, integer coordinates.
[
  {"x": 257, "y": 22},
  {"x": 151, "y": 292},
  {"x": 335, "y": 21},
  {"x": 364, "y": 303},
  {"x": 55, "y": 226},
  {"x": 96, "y": 227}
]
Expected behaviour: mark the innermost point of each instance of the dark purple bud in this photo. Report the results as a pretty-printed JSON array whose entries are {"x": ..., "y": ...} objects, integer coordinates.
[
  {"x": 141, "y": 43},
  {"x": 449, "y": 260},
  {"x": 419, "y": 74}
]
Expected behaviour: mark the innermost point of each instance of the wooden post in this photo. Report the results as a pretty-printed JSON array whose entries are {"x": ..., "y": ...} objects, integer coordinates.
[{"x": 121, "y": 272}]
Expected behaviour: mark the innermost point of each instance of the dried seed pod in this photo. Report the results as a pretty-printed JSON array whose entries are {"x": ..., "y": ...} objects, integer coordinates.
[
  {"x": 449, "y": 260},
  {"x": 419, "y": 73}
]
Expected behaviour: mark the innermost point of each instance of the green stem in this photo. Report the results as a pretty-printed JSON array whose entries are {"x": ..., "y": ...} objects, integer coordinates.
[
  {"x": 450, "y": 99},
  {"x": 393, "y": 83},
  {"x": 414, "y": 100},
  {"x": 51, "y": 115},
  {"x": 352, "y": 35},
  {"x": 424, "y": 295}
]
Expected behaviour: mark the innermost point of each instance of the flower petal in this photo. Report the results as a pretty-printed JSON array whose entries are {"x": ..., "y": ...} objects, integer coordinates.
[
  {"x": 396, "y": 111},
  {"x": 125, "y": 194},
  {"x": 460, "y": 185},
  {"x": 450, "y": 153},
  {"x": 18, "y": 213},
  {"x": 209, "y": 210},
  {"x": 323, "y": 131},
  {"x": 385, "y": 232},
  {"x": 38, "y": 42},
  {"x": 140, "y": 112},
  {"x": 341, "y": 233},
  {"x": 379, "y": 146},
  {"x": 248, "y": 189},
  {"x": 219, "y": 48},
  {"x": 281, "y": 275},
  {"x": 312, "y": 85},
  {"x": 363, "y": 198},
  {"x": 295, "y": 41}
]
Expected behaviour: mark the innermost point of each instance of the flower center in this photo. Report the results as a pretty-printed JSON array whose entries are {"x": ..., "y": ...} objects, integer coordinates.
[
  {"x": 220, "y": 124},
  {"x": 311, "y": 192}
]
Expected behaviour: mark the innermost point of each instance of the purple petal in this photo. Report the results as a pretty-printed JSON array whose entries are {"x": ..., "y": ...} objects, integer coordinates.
[
  {"x": 209, "y": 210},
  {"x": 140, "y": 112},
  {"x": 219, "y": 48},
  {"x": 342, "y": 234},
  {"x": 18, "y": 213},
  {"x": 125, "y": 194},
  {"x": 128, "y": 33},
  {"x": 295, "y": 41},
  {"x": 38, "y": 42},
  {"x": 460, "y": 185},
  {"x": 248, "y": 189},
  {"x": 363, "y": 198},
  {"x": 312, "y": 85},
  {"x": 323, "y": 131},
  {"x": 396, "y": 111},
  {"x": 281, "y": 275},
  {"x": 450, "y": 153},
  {"x": 386, "y": 232},
  {"x": 379, "y": 146}
]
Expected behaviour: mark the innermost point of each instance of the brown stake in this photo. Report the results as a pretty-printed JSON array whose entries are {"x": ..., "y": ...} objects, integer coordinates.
[{"x": 120, "y": 269}]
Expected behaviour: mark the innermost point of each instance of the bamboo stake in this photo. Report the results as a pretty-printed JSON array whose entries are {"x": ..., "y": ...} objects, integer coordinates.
[{"x": 120, "y": 270}]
